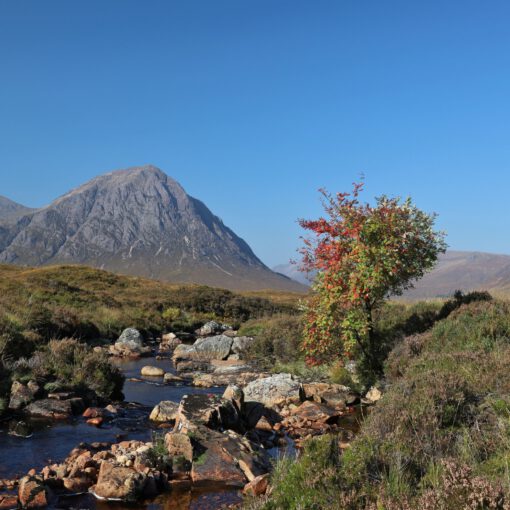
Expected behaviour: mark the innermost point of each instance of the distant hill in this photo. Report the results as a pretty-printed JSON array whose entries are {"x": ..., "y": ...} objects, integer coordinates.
[
  {"x": 456, "y": 270},
  {"x": 140, "y": 222}
]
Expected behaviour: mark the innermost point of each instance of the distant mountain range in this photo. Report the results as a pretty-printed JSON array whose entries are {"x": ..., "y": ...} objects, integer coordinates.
[
  {"x": 456, "y": 270},
  {"x": 139, "y": 222}
]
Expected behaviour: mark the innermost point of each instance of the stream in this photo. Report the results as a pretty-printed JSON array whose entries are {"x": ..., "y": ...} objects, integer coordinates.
[{"x": 52, "y": 441}]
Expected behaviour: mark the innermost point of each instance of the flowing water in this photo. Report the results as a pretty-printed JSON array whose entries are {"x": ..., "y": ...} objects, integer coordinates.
[{"x": 52, "y": 441}]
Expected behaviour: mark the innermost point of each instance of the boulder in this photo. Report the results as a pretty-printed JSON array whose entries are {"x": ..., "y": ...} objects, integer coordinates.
[
  {"x": 334, "y": 395},
  {"x": 315, "y": 412},
  {"x": 22, "y": 395},
  {"x": 274, "y": 390},
  {"x": 209, "y": 410},
  {"x": 119, "y": 483},
  {"x": 152, "y": 371},
  {"x": 179, "y": 445},
  {"x": 170, "y": 378},
  {"x": 209, "y": 328},
  {"x": 241, "y": 344},
  {"x": 130, "y": 343},
  {"x": 32, "y": 493},
  {"x": 205, "y": 349},
  {"x": 166, "y": 410},
  {"x": 227, "y": 459},
  {"x": 55, "y": 409}
]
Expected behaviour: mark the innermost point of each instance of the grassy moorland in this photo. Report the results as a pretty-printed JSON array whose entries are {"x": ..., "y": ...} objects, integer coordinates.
[
  {"x": 50, "y": 316},
  {"x": 440, "y": 436}
]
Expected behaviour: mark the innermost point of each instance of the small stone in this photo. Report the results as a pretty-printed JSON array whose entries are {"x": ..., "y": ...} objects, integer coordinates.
[{"x": 257, "y": 487}]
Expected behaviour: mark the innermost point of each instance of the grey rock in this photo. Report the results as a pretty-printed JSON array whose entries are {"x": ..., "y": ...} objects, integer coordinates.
[
  {"x": 132, "y": 339},
  {"x": 274, "y": 390},
  {"x": 166, "y": 410},
  {"x": 241, "y": 344}
]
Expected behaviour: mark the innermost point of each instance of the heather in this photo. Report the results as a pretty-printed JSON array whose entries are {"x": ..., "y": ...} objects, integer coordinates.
[{"x": 439, "y": 437}]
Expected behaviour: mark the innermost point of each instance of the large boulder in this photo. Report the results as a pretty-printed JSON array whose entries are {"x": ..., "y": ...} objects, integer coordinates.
[
  {"x": 208, "y": 410},
  {"x": 166, "y": 410},
  {"x": 205, "y": 349},
  {"x": 55, "y": 409},
  {"x": 274, "y": 390},
  {"x": 119, "y": 483},
  {"x": 130, "y": 343}
]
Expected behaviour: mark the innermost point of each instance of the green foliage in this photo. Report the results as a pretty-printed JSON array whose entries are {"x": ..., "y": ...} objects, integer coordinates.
[
  {"x": 277, "y": 339},
  {"x": 362, "y": 254},
  {"x": 309, "y": 483}
]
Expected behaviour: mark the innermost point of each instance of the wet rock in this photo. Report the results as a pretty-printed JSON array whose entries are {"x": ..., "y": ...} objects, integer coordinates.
[
  {"x": 20, "y": 428},
  {"x": 93, "y": 412},
  {"x": 55, "y": 409},
  {"x": 274, "y": 390},
  {"x": 96, "y": 422},
  {"x": 166, "y": 410},
  {"x": 226, "y": 458},
  {"x": 22, "y": 395},
  {"x": 32, "y": 493},
  {"x": 8, "y": 501},
  {"x": 77, "y": 485},
  {"x": 152, "y": 371},
  {"x": 119, "y": 483},
  {"x": 170, "y": 378},
  {"x": 169, "y": 342},
  {"x": 257, "y": 487}
]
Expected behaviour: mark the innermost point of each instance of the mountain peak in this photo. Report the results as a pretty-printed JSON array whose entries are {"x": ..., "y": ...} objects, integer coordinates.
[{"x": 137, "y": 221}]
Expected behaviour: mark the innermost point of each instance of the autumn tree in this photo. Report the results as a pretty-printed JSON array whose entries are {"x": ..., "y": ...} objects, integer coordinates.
[{"x": 361, "y": 254}]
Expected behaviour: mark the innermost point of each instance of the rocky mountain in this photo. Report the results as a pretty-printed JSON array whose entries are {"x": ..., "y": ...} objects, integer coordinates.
[
  {"x": 9, "y": 209},
  {"x": 462, "y": 270},
  {"x": 140, "y": 222}
]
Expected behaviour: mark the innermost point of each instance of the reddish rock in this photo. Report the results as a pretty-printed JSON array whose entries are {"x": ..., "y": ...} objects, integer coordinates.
[
  {"x": 257, "y": 486},
  {"x": 95, "y": 421},
  {"x": 8, "y": 501},
  {"x": 315, "y": 412},
  {"x": 77, "y": 485},
  {"x": 92, "y": 412},
  {"x": 32, "y": 492},
  {"x": 263, "y": 424},
  {"x": 179, "y": 445},
  {"x": 122, "y": 483}
]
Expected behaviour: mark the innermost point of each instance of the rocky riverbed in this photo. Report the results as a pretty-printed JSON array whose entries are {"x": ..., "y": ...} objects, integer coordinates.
[{"x": 182, "y": 438}]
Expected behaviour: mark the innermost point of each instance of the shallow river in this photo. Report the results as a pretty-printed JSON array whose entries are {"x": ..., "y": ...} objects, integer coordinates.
[{"x": 51, "y": 442}]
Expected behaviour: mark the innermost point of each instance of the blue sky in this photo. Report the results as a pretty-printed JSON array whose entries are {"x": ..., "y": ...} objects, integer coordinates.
[{"x": 252, "y": 105}]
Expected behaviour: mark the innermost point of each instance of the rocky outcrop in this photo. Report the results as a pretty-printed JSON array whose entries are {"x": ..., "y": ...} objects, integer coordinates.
[{"x": 274, "y": 390}]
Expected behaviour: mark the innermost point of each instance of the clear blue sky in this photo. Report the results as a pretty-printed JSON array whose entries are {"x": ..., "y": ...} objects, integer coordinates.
[{"x": 254, "y": 104}]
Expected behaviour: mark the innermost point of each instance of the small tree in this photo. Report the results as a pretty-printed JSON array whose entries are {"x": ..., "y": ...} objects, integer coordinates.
[{"x": 361, "y": 254}]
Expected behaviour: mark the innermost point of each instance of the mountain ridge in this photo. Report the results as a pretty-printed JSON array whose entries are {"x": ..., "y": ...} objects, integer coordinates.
[
  {"x": 455, "y": 270},
  {"x": 137, "y": 221}
]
